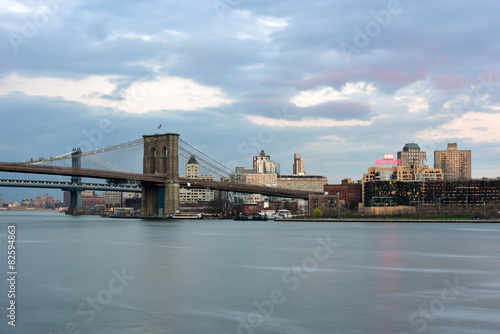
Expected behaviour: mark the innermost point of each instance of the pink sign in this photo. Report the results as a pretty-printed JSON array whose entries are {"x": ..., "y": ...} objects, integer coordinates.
[{"x": 388, "y": 162}]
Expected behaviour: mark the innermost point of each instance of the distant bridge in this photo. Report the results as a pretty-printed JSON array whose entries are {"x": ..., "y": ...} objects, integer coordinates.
[{"x": 71, "y": 185}]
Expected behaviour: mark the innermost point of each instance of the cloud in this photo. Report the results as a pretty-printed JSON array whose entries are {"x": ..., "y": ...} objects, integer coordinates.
[
  {"x": 414, "y": 97},
  {"x": 339, "y": 110},
  {"x": 400, "y": 78},
  {"x": 158, "y": 93},
  {"x": 449, "y": 82},
  {"x": 325, "y": 94},
  {"x": 474, "y": 126},
  {"x": 306, "y": 122}
]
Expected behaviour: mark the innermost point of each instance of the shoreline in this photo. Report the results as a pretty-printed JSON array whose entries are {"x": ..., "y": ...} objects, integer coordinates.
[{"x": 392, "y": 220}]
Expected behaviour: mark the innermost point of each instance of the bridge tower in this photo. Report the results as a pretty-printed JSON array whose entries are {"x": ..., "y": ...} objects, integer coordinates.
[
  {"x": 161, "y": 157},
  {"x": 75, "y": 207}
]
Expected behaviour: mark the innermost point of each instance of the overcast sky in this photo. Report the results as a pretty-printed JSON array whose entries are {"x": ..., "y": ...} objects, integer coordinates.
[{"x": 341, "y": 82}]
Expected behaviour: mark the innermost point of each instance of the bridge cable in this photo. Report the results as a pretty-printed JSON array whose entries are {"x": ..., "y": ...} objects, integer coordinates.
[
  {"x": 211, "y": 158},
  {"x": 182, "y": 155},
  {"x": 206, "y": 163}
]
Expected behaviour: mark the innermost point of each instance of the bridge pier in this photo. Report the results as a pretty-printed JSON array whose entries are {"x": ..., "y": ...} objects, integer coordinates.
[
  {"x": 75, "y": 207},
  {"x": 161, "y": 157}
]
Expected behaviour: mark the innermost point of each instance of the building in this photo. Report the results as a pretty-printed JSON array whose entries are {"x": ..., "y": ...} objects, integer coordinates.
[
  {"x": 262, "y": 164},
  {"x": 133, "y": 200},
  {"x": 192, "y": 168},
  {"x": 243, "y": 170},
  {"x": 461, "y": 192},
  {"x": 42, "y": 201},
  {"x": 90, "y": 199},
  {"x": 113, "y": 198},
  {"x": 195, "y": 194},
  {"x": 456, "y": 164},
  {"x": 349, "y": 192},
  {"x": 326, "y": 203},
  {"x": 313, "y": 183},
  {"x": 298, "y": 165},
  {"x": 391, "y": 193},
  {"x": 400, "y": 173},
  {"x": 243, "y": 176},
  {"x": 412, "y": 156},
  {"x": 66, "y": 198},
  {"x": 423, "y": 173}
]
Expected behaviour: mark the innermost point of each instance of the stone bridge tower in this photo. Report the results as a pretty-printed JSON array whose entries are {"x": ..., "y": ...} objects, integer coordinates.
[{"x": 161, "y": 157}]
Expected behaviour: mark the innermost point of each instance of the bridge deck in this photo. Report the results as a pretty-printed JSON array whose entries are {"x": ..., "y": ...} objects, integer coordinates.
[{"x": 126, "y": 177}]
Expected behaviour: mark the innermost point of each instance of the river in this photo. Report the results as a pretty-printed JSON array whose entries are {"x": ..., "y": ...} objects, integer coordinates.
[{"x": 93, "y": 275}]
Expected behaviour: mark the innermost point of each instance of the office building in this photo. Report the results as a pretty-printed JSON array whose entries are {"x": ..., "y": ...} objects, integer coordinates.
[
  {"x": 113, "y": 198},
  {"x": 399, "y": 173},
  {"x": 298, "y": 165},
  {"x": 262, "y": 164},
  {"x": 456, "y": 164},
  {"x": 411, "y": 156}
]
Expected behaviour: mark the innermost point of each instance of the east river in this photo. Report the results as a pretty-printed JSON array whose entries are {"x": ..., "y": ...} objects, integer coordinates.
[{"x": 93, "y": 275}]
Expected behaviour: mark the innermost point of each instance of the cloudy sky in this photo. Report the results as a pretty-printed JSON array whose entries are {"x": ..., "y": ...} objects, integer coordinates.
[{"x": 342, "y": 82}]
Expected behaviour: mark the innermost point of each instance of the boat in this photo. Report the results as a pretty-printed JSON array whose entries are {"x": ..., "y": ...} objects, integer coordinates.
[
  {"x": 188, "y": 216},
  {"x": 241, "y": 216},
  {"x": 258, "y": 216}
]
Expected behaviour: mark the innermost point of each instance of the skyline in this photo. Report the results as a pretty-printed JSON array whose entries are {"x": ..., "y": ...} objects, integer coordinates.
[
  {"x": 381, "y": 163},
  {"x": 340, "y": 82}
]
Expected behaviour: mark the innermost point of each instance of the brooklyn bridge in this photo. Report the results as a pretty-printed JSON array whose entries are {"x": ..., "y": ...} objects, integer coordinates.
[{"x": 159, "y": 181}]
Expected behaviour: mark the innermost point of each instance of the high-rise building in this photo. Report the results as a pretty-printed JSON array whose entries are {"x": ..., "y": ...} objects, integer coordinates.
[
  {"x": 411, "y": 155},
  {"x": 298, "y": 165},
  {"x": 456, "y": 164},
  {"x": 262, "y": 164}
]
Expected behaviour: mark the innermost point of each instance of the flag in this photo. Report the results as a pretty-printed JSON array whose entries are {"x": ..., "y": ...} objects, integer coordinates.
[{"x": 159, "y": 127}]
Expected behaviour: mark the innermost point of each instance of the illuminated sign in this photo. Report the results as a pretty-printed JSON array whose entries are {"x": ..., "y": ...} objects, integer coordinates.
[{"x": 388, "y": 160}]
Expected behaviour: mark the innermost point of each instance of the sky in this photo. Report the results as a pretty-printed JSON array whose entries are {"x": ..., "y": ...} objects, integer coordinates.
[{"x": 341, "y": 82}]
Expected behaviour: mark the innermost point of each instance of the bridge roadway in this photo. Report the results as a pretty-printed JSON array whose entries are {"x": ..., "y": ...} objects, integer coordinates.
[{"x": 126, "y": 177}]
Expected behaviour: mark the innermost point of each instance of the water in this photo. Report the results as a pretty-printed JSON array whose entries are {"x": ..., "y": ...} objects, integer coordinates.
[{"x": 93, "y": 275}]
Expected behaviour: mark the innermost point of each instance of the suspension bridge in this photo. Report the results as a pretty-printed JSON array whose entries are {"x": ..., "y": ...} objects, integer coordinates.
[{"x": 117, "y": 169}]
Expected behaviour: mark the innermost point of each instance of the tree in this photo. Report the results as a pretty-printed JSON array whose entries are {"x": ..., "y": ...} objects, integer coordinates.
[{"x": 317, "y": 213}]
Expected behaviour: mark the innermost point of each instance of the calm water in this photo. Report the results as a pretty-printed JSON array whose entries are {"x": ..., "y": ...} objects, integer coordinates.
[{"x": 92, "y": 275}]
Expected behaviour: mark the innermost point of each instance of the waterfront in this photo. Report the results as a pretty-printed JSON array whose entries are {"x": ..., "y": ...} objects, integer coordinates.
[{"x": 97, "y": 275}]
